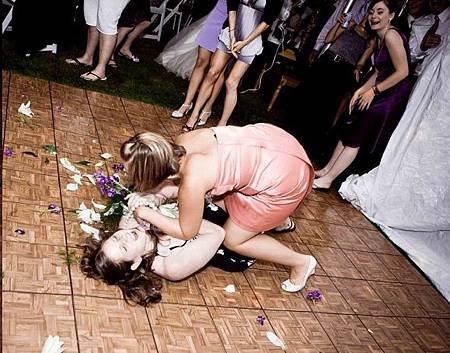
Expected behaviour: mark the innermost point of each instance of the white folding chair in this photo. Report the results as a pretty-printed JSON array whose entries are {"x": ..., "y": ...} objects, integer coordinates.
[{"x": 165, "y": 14}]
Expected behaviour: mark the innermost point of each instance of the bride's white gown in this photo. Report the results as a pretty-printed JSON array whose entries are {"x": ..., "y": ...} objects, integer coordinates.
[
  {"x": 408, "y": 194},
  {"x": 180, "y": 53}
]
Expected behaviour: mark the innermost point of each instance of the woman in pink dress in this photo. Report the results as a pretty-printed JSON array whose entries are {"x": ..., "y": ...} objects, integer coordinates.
[{"x": 260, "y": 172}]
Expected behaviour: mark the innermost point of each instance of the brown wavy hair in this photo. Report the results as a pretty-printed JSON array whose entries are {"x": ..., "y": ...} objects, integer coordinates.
[
  {"x": 140, "y": 287},
  {"x": 150, "y": 160}
]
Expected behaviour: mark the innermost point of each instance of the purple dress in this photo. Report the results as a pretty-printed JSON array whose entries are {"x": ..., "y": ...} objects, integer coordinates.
[
  {"x": 208, "y": 38},
  {"x": 372, "y": 129}
]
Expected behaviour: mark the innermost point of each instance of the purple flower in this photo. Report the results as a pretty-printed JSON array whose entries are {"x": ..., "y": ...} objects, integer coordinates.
[
  {"x": 58, "y": 107},
  {"x": 109, "y": 185},
  {"x": 54, "y": 209},
  {"x": 19, "y": 231},
  {"x": 260, "y": 319},
  {"x": 314, "y": 295},
  {"x": 52, "y": 206},
  {"x": 118, "y": 167},
  {"x": 8, "y": 152}
]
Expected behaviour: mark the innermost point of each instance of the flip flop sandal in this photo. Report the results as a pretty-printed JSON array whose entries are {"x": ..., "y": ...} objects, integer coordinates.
[
  {"x": 76, "y": 62},
  {"x": 112, "y": 64},
  {"x": 96, "y": 77},
  {"x": 291, "y": 287},
  {"x": 131, "y": 57}
]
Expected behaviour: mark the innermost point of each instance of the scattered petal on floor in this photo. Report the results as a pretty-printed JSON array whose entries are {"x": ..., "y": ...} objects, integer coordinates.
[
  {"x": 25, "y": 109},
  {"x": 230, "y": 288},
  {"x": 273, "y": 338}
]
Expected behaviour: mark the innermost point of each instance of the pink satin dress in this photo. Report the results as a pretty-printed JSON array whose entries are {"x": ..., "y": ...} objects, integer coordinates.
[{"x": 263, "y": 173}]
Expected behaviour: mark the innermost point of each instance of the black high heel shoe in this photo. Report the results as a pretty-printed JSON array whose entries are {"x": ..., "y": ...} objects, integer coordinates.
[{"x": 187, "y": 128}]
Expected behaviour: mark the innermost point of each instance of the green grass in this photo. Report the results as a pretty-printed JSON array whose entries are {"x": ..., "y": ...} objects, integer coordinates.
[{"x": 146, "y": 81}]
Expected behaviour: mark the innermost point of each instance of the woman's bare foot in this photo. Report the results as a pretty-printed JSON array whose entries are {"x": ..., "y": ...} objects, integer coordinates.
[{"x": 322, "y": 183}]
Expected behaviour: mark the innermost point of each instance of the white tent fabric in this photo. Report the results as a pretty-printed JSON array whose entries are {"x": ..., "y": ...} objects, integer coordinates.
[
  {"x": 180, "y": 53},
  {"x": 408, "y": 194}
]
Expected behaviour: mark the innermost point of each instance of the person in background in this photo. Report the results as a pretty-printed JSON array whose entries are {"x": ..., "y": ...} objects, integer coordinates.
[
  {"x": 135, "y": 19},
  {"x": 207, "y": 40},
  {"x": 377, "y": 105},
  {"x": 241, "y": 40},
  {"x": 426, "y": 32},
  {"x": 102, "y": 17},
  {"x": 358, "y": 11}
]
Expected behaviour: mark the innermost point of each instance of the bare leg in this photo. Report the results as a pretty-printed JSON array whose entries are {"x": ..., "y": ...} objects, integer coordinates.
[
  {"x": 107, "y": 43},
  {"x": 266, "y": 248},
  {"x": 122, "y": 32},
  {"x": 207, "y": 109},
  {"x": 91, "y": 45},
  {"x": 203, "y": 59},
  {"x": 132, "y": 36},
  {"x": 337, "y": 151},
  {"x": 346, "y": 158},
  {"x": 218, "y": 63},
  {"x": 232, "y": 84}
]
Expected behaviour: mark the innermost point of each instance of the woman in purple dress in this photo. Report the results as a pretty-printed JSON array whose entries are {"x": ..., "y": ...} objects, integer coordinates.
[
  {"x": 379, "y": 102},
  {"x": 207, "y": 43}
]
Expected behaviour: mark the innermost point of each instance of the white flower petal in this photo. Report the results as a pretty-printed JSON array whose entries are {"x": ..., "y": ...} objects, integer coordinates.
[
  {"x": 90, "y": 230},
  {"x": 25, "y": 109},
  {"x": 72, "y": 187},
  {"x": 66, "y": 164},
  {"x": 77, "y": 178},
  {"x": 106, "y": 155},
  {"x": 230, "y": 288},
  {"x": 53, "y": 345},
  {"x": 82, "y": 207},
  {"x": 99, "y": 164},
  {"x": 90, "y": 177},
  {"x": 273, "y": 338},
  {"x": 97, "y": 205}
]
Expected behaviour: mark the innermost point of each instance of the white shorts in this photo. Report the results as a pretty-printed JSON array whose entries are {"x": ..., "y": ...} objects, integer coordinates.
[{"x": 104, "y": 14}]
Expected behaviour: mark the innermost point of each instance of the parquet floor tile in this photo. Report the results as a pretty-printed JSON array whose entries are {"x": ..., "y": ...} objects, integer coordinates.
[
  {"x": 181, "y": 328},
  {"x": 102, "y": 100},
  {"x": 332, "y": 300},
  {"x": 399, "y": 299},
  {"x": 110, "y": 325},
  {"x": 334, "y": 262},
  {"x": 81, "y": 125},
  {"x": 444, "y": 326},
  {"x": 353, "y": 217},
  {"x": 23, "y": 161},
  {"x": 34, "y": 268},
  {"x": 69, "y": 142},
  {"x": 137, "y": 108},
  {"x": 301, "y": 332},
  {"x": 430, "y": 300},
  {"x": 28, "y": 188},
  {"x": 183, "y": 292},
  {"x": 40, "y": 226},
  {"x": 212, "y": 282},
  {"x": 68, "y": 93},
  {"x": 376, "y": 241},
  {"x": 31, "y": 134},
  {"x": 28, "y": 319},
  {"x": 390, "y": 334},
  {"x": 345, "y": 237},
  {"x": 303, "y": 212},
  {"x": 402, "y": 269},
  {"x": 426, "y": 333},
  {"x": 240, "y": 331},
  {"x": 361, "y": 297},
  {"x": 324, "y": 212},
  {"x": 314, "y": 233},
  {"x": 144, "y": 124},
  {"x": 71, "y": 200},
  {"x": 370, "y": 266},
  {"x": 267, "y": 287},
  {"x": 348, "y": 334}
]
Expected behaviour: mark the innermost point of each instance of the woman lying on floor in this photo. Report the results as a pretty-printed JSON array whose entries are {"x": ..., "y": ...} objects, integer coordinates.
[{"x": 134, "y": 258}]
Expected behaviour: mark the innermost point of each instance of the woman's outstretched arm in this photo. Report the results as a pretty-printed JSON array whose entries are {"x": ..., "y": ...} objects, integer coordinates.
[{"x": 186, "y": 260}]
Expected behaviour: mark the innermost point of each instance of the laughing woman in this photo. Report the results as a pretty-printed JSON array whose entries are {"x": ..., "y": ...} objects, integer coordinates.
[{"x": 379, "y": 103}]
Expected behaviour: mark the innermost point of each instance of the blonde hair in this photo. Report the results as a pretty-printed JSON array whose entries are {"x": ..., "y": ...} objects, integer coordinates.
[{"x": 150, "y": 160}]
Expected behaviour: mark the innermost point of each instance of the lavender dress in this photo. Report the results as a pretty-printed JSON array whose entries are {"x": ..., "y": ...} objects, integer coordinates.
[
  {"x": 372, "y": 129},
  {"x": 208, "y": 37}
]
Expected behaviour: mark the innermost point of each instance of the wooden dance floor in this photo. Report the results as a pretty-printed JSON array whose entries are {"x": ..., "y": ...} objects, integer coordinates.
[{"x": 374, "y": 300}]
